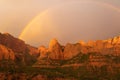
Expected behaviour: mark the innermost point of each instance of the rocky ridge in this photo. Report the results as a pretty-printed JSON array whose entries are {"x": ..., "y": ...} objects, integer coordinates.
[
  {"x": 101, "y": 59},
  {"x": 57, "y": 51},
  {"x": 12, "y": 48}
]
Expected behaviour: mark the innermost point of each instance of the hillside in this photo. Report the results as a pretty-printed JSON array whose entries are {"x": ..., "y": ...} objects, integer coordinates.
[{"x": 93, "y": 60}]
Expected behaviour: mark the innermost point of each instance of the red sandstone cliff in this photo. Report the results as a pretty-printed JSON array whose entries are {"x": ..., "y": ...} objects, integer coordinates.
[
  {"x": 56, "y": 51},
  {"x": 16, "y": 49},
  {"x": 6, "y": 53}
]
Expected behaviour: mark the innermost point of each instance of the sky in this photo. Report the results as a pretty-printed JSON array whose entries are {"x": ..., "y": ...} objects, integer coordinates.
[{"x": 66, "y": 20}]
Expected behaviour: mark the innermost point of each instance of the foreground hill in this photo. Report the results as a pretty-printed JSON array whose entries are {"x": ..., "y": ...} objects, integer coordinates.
[{"x": 14, "y": 49}]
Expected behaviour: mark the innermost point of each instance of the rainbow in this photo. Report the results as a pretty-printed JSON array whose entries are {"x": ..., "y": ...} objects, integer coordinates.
[
  {"x": 31, "y": 22},
  {"x": 46, "y": 11}
]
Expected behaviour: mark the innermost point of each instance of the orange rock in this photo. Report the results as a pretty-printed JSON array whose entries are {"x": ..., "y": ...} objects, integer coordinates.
[
  {"x": 33, "y": 50},
  {"x": 55, "y": 50},
  {"x": 6, "y": 53},
  {"x": 15, "y": 44},
  {"x": 43, "y": 52},
  {"x": 71, "y": 50}
]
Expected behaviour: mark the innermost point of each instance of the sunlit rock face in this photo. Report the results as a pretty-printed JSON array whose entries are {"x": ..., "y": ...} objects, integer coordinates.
[
  {"x": 33, "y": 50},
  {"x": 116, "y": 40},
  {"x": 43, "y": 52},
  {"x": 15, "y": 44},
  {"x": 6, "y": 53},
  {"x": 14, "y": 49},
  {"x": 71, "y": 50},
  {"x": 110, "y": 46},
  {"x": 55, "y": 50}
]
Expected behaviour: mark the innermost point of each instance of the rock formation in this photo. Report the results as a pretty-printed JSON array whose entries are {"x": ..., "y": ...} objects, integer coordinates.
[
  {"x": 71, "y": 50},
  {"x": 13, "y": 48},
  {"x": 33, "y": 51},
  {"x": 56, "y": 60},
  {"x": 43, "y": 52},
  {"x": 16, "y": 49},
  {"x": 55, "y": 50},
  {"x": 15, "y": 44},
  {"x": 6, "y": 53}
]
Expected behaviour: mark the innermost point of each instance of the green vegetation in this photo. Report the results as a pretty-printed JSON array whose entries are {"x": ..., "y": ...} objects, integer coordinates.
[{"x": 80, "y": 73}]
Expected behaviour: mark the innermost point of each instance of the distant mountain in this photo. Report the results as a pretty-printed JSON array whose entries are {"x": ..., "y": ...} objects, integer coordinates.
[
  {"x": 93, "y": 60},
  {"x": 15, "y": 49},
  {"x": 57, "y": 51}
]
